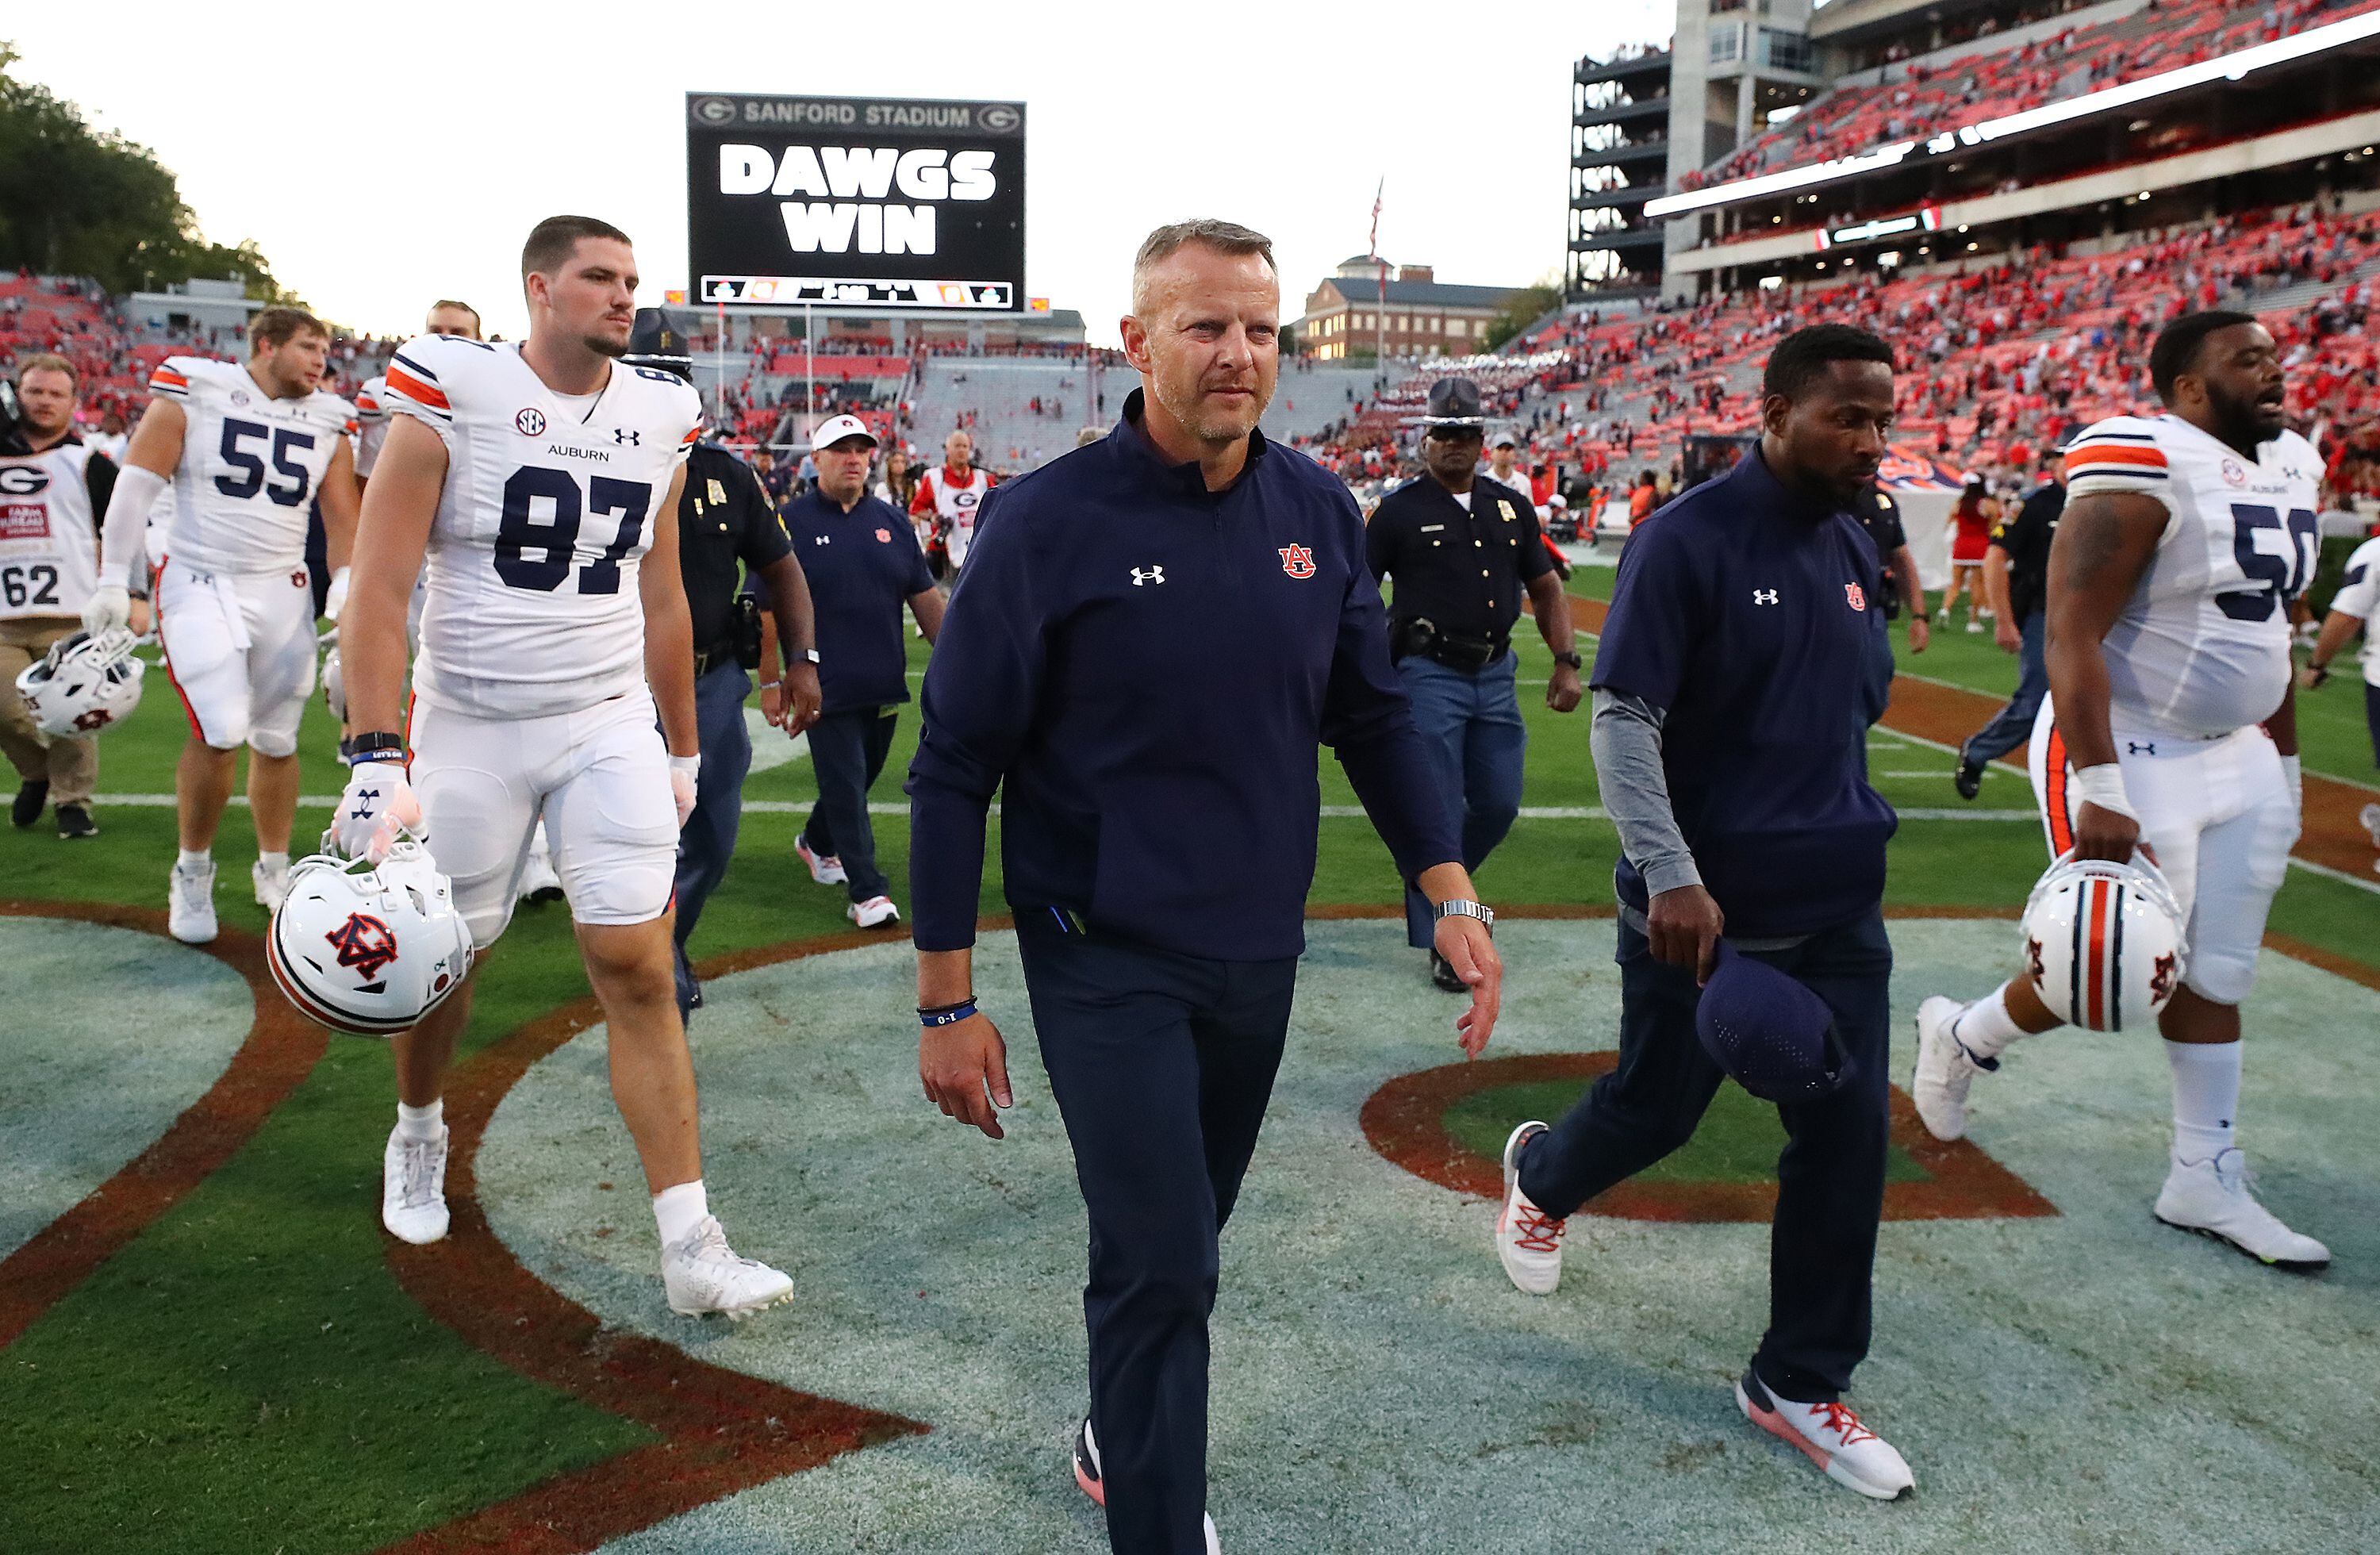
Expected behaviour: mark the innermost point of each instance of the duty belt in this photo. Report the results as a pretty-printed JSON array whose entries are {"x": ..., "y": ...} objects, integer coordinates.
[{"x": 708, "y": 659}]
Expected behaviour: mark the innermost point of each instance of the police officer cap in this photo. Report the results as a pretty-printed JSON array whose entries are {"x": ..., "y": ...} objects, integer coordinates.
[
  {"x": 1453, "y": 402},
  {"x": 655, "y": 341},
  {"x": 1773, "y": 1035}
]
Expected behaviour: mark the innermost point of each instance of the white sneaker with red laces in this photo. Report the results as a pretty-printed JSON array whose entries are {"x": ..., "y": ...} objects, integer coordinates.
[
  {"x": 825, "y": 867},
  {"x": 874, "y": 913},
  {"x": 1528, "y": 1242},
  {"x": 1831, "y": 1436}
]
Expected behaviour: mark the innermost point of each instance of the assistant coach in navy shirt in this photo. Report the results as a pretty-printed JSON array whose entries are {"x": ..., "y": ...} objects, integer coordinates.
[
  {"x": 1153, "y": 636},
  {"x": 1741, "y": 665}
]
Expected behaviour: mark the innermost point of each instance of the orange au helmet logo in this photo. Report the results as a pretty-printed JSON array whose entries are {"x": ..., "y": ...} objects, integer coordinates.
[{"x": 365, "y": 943}]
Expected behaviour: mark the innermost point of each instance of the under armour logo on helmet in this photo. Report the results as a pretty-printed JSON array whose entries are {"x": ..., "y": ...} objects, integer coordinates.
[{"x": 1146, "y": 575}]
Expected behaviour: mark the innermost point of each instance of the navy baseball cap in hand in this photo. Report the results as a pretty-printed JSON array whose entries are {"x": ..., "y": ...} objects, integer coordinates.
[{"x": 1773, "y": 1035}]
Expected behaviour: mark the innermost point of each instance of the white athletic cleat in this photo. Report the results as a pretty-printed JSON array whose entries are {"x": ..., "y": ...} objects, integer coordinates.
[
  {"x": 538, "y": 881},
  {"x": 2211, "y": 1197},
  {"x": 874, "y": 913},
  {"x": 1945, "y": 1070},
  {"x": 704, "y": 1275},
  {"x": 1528, "y": 1242},
  {"x": 413, "y": 1187},
  {"x": 825, "y": 867},
  {"x": 271, "y": 883},
  {"x": 1831, "y": 1436},
  {"x": 191, "y": 904},
  {"x": 1086, "y": 1476},
  {"x": 2370, "y": 816}
]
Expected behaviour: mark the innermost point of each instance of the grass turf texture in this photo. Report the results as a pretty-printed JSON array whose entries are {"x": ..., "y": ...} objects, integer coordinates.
[
  {"x": 248, "y": 1374},
  {"x": 1736, "y": 1142}
]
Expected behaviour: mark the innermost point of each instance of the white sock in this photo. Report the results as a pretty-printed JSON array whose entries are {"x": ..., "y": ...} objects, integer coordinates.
[
  {"x": 272, "y": 861},
  {"x": 679, "y": 1209},
  {"x": 420, "y": 1125},
  {"x": 198, "y": 860},
  {"x": 1985, "y": 1027},
  {"x": 2205, "y": 1097}
]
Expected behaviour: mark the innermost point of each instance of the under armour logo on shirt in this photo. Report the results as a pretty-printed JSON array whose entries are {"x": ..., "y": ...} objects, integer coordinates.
[
  {"x": 1146, "y": 575},
  {"x": 1763, "y": 596},
  {"x": 2134, "y": 747}
]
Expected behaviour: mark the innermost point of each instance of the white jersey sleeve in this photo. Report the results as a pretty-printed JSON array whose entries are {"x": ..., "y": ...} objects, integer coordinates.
[
  {"x": 372, "y": 424},
  {"x": 2359, "y": 595},
  {"x": 2203, "y": 647},
  {"x": 249, "y": 469},
  {"x": 548, "y": 509}
]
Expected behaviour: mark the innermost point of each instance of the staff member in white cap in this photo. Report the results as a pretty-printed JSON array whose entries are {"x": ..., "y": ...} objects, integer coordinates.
[{"x": 863, "y": 562}]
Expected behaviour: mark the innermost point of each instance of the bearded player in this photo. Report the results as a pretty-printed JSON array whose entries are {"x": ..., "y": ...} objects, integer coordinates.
[
  {"x": 245, "y": 451},
  {"x": 2172, "y": 726},
  {"x": 541, "y": 480}
]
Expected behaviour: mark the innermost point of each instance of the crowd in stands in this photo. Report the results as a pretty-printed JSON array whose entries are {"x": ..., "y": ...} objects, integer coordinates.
[
  {"x": 1916, "y": 100},
  {"x": 2000, "y": 362}
]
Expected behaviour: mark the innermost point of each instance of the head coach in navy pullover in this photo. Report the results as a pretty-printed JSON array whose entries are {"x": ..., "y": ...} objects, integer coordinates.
[
  {"x": 1153, "y": 636},
  {"x": 1742, "y": 661}
]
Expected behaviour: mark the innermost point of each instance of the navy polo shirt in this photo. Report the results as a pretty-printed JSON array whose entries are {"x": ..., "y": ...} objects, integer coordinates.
[
  {"x": 1145, "y": 669},
  {"x": 1753, "y": 615},
  {"x": 862, "y": 567}
]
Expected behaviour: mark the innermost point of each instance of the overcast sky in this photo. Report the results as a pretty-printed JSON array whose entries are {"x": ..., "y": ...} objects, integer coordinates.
[{"x": 384, "y": 155}]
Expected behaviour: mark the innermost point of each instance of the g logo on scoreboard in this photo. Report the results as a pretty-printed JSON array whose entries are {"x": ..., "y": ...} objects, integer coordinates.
[
  {"x": 714, "y": 111},
  {"x": 998, "y": 117}
]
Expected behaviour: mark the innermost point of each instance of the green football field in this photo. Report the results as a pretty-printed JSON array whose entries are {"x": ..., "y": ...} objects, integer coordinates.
[{"x": 207, "y": 1343}]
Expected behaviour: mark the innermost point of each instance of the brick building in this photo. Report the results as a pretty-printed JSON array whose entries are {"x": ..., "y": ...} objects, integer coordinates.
[{"x": 1425, "y": 317}]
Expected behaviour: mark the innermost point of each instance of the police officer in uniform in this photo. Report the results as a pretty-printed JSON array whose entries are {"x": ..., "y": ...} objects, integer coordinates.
[
  {"x": 727, "y": 529},
  {"x": 1462, "y": 550}
]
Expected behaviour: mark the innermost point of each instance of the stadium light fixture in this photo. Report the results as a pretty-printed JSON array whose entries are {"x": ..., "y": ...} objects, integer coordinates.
[{"x": 2236, "y": 66}]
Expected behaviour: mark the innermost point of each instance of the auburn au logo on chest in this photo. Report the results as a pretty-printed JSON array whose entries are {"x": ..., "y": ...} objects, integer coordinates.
[{"x": 1297, "y": 561}]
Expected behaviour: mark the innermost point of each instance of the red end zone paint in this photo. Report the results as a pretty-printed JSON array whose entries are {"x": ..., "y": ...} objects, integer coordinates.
[
  {"x": 279, "y": 1053},
  {"x": 722, "y": 1431},
  {"x": 1404, "y": 1120}
]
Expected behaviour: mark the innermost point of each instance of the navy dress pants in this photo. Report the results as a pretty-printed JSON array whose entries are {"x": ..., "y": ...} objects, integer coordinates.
[
  {"x": 708, "y": 839},
  {"x": 1162, "y": 1064},
  {"x": 1829, "y": 1179}
]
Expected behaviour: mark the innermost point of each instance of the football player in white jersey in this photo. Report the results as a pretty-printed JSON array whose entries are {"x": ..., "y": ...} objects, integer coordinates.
[
  {"x": 446, "y": 317},
  {"x": 2171, "y": 727},
  {"x": 245, "y": 452},
  {"x": 541, "y": 482},
  {"x": 952, "y": 493},
  {"x": 54, "y": 485}
]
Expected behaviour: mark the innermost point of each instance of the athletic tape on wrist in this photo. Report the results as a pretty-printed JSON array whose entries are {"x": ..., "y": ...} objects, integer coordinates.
[{"x": 2103, "y": 786}]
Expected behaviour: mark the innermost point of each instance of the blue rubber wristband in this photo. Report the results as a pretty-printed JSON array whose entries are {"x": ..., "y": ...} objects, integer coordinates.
[{"x": 950, "y": 1016}]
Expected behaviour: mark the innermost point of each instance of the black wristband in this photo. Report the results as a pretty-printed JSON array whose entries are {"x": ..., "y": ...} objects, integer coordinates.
[{"x": 367, "y": 746}]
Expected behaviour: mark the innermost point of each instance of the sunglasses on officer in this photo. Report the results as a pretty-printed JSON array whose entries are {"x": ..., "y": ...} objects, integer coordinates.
[{"x": 1456, "y": 434}]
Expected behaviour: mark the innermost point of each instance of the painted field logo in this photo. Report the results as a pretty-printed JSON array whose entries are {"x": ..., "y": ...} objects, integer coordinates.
[
  {"x": 1448, "y": 1126},
  {"x": 365, "y": 943},
  {"x": 1297, "y": 561}
]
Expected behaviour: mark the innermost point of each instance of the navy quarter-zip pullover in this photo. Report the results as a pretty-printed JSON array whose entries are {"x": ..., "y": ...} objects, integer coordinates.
[{"x": 1146, "y": 670}]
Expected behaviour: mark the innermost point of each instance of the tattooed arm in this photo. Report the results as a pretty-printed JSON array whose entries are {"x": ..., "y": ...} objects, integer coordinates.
[{"x": 2103, "y": 545}]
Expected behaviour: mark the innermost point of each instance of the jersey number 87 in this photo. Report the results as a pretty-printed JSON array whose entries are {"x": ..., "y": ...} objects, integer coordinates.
[{"x": 535, "y": 553}]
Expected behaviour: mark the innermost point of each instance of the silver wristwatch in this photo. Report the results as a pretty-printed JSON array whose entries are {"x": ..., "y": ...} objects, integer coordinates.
[{"x": 1467, "y": 909}]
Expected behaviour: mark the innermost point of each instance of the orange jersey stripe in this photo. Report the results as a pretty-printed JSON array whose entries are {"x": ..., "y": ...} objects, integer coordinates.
[
  {"x": 414, "y": 388},
  {"x": 2114, "y": 453},
  {"x": 2061, "y": 825}
]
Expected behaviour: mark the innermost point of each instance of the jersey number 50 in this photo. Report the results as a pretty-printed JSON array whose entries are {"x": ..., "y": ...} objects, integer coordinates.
[
  {"x": 534, "y": 551},
  {"x": 2278, "y": 577}
]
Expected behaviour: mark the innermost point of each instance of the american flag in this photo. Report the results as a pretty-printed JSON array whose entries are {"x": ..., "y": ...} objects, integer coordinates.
[{"x": 1377, "y": 192}]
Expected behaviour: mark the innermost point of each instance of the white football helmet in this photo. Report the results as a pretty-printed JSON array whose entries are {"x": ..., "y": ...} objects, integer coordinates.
[
  {"x": 2103, "y": 943},
  {"x": 83, "y": 684},
  {"x": 368, "y": 949}
]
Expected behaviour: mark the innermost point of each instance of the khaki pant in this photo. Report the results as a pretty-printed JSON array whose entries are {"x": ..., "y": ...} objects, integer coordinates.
[{"x": 70, "y": 765}]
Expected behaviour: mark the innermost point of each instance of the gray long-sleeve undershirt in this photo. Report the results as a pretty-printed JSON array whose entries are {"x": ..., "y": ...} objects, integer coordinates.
[{"x": 1626, "y": 740}]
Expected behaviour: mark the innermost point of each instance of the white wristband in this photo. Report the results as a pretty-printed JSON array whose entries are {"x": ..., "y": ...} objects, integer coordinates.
[
  {"x": 2103, "y": 786},
  {"x": 690, "y": 765}
]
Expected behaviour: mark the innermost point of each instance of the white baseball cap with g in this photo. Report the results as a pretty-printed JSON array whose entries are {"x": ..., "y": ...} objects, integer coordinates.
[{"x": 836, "y": 427}]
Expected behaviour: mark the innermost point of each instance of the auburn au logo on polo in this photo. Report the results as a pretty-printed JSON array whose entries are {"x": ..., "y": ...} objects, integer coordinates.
[{"x": 1297, "y": 561}]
